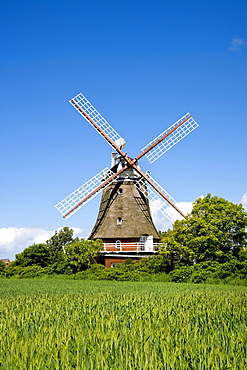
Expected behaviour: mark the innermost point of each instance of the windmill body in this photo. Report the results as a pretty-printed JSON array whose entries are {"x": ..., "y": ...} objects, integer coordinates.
[{"x": 124, "y": 221}]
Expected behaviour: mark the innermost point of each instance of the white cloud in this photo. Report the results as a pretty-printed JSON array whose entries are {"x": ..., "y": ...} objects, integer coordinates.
[
  {"x": 236, "y": 44},
  {"x": 185, "y": 207},
  {"x": 14, "y": 240},
  {"x": 243, "y": 201}
]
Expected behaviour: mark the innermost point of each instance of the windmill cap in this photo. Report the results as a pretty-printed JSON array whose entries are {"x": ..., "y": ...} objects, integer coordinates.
[{"x": 120, "y": 142}]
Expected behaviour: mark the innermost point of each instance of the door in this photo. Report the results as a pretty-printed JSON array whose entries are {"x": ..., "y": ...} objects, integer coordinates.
[{"x": 146, "y": 243}]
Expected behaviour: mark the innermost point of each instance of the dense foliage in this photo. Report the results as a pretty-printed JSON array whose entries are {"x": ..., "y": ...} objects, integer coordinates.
[
  {"x": 82, "y": 254},
  {"x": 209, "y": 245},
  {"x": 67, "y": 324},
  {"x": 59, "y": 255},
  {"x": 214, "y": 231}
]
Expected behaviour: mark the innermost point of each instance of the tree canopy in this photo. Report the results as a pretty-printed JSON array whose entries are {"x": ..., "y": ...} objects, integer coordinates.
[
  {"x": 61, "y": 253},
  {"x": 37, "y": 254},
  {"x": 82, "y": 254},
  {"x": 60, "y": 239},
  {"x": 214, "y": 231}
]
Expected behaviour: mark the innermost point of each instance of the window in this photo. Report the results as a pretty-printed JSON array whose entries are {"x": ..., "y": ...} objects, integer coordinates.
[
  {"x": 119, "y": 221},
  {"x": 143, "y": 239},
  {"x": 118, "y": 243}
]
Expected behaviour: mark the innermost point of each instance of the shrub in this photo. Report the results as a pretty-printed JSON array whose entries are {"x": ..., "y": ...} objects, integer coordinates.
[
  {"x": 97, "y": 268},
  {"x": 82, "y": 275},
  {"x": 200, "y": 276},
  {"x": 228, "y": 269},
  {"x": 2, "y": 268},
  {"x": 182, "y": 274},
  {"x": 31, "y": 271},
  {"x": 154, "y": 264}
]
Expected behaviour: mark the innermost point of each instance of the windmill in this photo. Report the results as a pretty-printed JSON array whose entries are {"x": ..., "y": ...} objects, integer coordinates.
[{"x": 124, "y": 220}]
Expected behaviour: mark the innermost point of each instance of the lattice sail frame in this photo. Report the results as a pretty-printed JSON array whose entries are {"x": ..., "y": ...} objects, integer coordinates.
[
  {"x": 172, "y": 139},
  {"x": 79, "y": 194},
  {"x": 92, "y": 112},
  {"x": 157, "y": 201}
]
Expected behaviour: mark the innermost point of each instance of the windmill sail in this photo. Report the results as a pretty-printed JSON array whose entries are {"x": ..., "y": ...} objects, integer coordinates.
[
  {"x": 157, "y": 201},
  {"x": 71, "y": 204},
  {"x": 172, "y": 136},
  {"x": 87, "y": 110}
]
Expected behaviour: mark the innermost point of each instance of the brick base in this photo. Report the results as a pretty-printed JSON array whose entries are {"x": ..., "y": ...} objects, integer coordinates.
[{"x": 109, "y": 262}]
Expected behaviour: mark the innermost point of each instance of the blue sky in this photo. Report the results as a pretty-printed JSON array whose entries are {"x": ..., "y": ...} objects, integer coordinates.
[{"x": 143, "y": 65}]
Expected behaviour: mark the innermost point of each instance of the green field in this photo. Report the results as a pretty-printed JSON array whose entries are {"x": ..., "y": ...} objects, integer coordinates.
[{"x": 75, "y": 324}]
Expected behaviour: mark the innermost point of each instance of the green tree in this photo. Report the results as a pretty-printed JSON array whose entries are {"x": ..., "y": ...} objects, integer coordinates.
[
  {"x": 49, "y": 254},
  {"x": 82, "y": 254},
  {"x": 56, "y": 245},
  {"x": 60, "y": 254},
  {"x": 214, "y": 231},
  {"x": 61, "y": 238},
  {"x": 37, "y": 254},
  {"x": 2, "y": 267}
]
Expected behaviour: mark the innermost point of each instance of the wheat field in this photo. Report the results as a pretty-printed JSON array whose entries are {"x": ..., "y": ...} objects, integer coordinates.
[{"x": 68, "y": 324}]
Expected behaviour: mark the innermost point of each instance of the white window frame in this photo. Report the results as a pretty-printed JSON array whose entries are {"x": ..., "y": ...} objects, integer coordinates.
[
  {"x": 118, "y": 244},
  {"x": 119, "y": 221}
]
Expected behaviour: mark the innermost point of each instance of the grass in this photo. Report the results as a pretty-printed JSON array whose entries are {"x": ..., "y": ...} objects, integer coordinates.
[{"x": 76, "y": 324}]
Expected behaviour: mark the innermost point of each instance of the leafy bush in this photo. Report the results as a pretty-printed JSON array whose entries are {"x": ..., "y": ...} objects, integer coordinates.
[
  {"x": 200, "y": 276},
  {"x": 82, "y": 275},
  {"x": 204, "y": 271},
  {"x": 31, "y": 271},
  {"x": 182, "y": 274},
  {"x": 154, "y": 264},
  {"x": 231, "y": 268},
  {"x": 97, "y": 268},
  {"x": 2, "y": 268}
]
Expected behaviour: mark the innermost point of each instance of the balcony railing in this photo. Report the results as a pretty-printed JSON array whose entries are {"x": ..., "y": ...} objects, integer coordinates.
[{"x": 130, "y": 247}]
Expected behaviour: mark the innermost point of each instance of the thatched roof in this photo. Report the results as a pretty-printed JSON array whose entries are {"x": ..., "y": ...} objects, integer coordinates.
[{"x": 124, "y": 213}]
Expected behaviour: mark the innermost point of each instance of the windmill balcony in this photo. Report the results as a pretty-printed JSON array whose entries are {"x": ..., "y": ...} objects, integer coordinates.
[{"x": 136, "y": 247}]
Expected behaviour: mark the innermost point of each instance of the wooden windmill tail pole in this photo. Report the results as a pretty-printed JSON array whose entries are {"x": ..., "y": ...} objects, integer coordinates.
[
  {"x": 158, "y": 190},
  {"x": 161, "y": 138}
]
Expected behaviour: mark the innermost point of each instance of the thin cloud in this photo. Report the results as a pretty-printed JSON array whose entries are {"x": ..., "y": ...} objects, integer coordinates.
[
  {"x": 236, "y": 44},
  {"x": 243, "y": 201},
  {"x": 185, "y": 207},
  {"x": 14, "y": 240}
]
